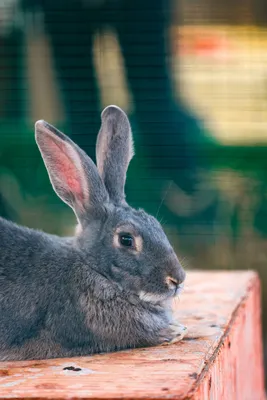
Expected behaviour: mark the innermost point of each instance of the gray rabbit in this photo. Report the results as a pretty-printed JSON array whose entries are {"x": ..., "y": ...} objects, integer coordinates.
[{"x": 110, "y": 286}]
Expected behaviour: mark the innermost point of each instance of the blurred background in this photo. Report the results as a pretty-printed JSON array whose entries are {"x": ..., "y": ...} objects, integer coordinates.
[{"x": 191, "y": 75}]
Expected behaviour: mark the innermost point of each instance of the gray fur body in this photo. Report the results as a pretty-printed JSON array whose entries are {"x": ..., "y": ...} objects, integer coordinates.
[{"x": 75, "y": 296}]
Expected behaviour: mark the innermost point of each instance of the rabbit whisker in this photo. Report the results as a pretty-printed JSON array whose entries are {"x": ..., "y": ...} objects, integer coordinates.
[{"x": 163, "y": 198}]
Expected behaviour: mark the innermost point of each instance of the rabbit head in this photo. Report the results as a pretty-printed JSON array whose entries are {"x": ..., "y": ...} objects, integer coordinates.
[{"x": 125, "y": 245}]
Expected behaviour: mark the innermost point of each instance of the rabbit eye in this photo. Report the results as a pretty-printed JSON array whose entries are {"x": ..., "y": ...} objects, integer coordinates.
[{"x": 126, "y": 240}]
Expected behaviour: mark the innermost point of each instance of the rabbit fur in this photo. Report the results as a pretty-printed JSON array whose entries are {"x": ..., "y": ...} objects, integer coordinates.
[{"x": 107, "y": 288}]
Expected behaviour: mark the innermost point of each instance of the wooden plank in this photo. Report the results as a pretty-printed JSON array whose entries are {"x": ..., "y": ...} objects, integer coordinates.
[{"x": 221, "y": 357}]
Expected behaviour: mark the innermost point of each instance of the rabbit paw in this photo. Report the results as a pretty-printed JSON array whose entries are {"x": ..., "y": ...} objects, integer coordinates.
[{"x": 174, "y": 333}]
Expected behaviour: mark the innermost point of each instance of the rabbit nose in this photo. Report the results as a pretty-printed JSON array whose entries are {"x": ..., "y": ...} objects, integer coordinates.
[
  {"x": 176, "y": 276},
  {"x": 174, "y": 283}
]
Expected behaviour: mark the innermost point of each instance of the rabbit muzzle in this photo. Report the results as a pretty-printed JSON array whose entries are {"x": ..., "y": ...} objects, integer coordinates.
[{"x": 175, "y": 274}]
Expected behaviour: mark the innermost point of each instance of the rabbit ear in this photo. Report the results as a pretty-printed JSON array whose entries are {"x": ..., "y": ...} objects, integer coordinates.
[
  {"x": 72, "y": 173},
  {"x": 114, "y": 150}
]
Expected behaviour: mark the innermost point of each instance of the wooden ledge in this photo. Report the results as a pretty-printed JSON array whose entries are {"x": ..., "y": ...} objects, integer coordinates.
[{"x": 221, "y": 357}]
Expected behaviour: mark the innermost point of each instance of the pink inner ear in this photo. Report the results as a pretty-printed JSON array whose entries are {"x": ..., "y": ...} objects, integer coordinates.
[
  {"x": 66, "y": 169},
  {"x": 67, "y": 173}
]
